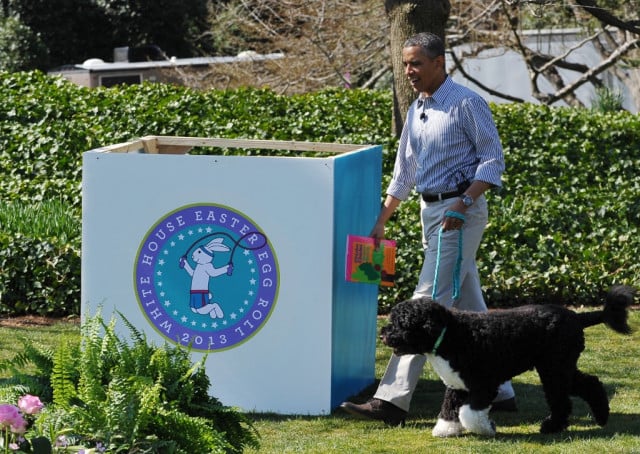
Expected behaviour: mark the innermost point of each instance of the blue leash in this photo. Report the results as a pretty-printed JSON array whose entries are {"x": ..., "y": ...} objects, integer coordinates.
[{"x": 456, "y": 270}]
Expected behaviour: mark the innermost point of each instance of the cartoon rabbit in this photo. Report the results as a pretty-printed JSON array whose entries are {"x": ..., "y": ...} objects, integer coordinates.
[{"x": 201, "y": 299}]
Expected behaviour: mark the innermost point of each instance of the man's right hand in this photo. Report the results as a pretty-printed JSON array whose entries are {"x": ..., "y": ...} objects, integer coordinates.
[{"x": 377, "y": 233}]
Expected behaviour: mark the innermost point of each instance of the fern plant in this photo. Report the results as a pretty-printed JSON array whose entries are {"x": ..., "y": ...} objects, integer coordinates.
[
  {"x": 29, "y": 371},
  {"x": 63, "y": 375},
  {"x": 131, "y": 396}
]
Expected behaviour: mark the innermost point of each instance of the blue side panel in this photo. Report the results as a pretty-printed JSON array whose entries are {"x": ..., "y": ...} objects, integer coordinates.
[{"x": 358, "y": 180}]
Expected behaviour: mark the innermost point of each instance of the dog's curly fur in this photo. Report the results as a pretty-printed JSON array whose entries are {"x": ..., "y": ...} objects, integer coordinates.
[{"x": 479, "y": 351}]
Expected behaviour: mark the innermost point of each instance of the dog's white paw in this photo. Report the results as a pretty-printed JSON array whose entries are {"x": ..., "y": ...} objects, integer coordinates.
[
  {"x": 444, "y": 429},
  {"x": 477, "y": 421}
]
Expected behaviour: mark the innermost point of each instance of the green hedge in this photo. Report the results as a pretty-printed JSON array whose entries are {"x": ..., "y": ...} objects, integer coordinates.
[
  {"x": 567, "y": 222},
  {"x": 564, "y": 227},
  {"x": 39, "y": 258},
  {"x": 38, "y": 276}
]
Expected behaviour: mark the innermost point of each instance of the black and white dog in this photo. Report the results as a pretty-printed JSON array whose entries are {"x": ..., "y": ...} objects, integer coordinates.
[{"x": 473, "y": 353}]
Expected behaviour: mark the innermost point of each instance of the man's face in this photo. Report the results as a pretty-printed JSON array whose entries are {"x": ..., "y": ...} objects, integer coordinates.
[{"x": 425, "y": 74}]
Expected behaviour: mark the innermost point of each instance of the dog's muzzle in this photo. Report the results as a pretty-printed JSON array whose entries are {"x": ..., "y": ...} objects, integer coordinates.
[{"x": 386, "y": 336}]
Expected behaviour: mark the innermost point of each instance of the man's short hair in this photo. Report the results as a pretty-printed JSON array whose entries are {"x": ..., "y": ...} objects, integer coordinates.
[{"x": 431, "y": 44}]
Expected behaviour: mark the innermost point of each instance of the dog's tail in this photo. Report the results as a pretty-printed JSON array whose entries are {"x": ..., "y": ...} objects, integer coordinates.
[{"x": 614, "y": 314}]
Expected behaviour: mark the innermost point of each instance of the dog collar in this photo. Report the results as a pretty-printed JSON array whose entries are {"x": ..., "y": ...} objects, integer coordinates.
[{"x": 438, "y": 340}]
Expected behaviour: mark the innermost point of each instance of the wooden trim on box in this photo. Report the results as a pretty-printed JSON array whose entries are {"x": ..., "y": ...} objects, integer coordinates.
[{"x": 181, "y": 145}]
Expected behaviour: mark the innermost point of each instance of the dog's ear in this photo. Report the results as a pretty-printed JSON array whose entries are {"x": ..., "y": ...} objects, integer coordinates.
[
  {"x": 415, "y": 325},
  {"x": 435, "y": 316},
  {"x": 404, "y": 323}
]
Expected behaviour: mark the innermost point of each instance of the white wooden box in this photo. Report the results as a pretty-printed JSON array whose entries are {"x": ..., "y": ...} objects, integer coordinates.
[{"x": 282, "y": 330}]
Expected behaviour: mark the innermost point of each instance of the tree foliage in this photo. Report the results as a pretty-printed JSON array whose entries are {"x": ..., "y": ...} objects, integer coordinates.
[
  {"x": 323, "y": 38},
  {"x": 611, "y": 26},
  {"x": 75, "y": 30},
  {"x": 21, "y": 48},
  {"x": 70, "y": 29},
  {"x": 178, "y": 28},
  {"x": 327, "y": 43},
  {"x": 331, "y": 43}
]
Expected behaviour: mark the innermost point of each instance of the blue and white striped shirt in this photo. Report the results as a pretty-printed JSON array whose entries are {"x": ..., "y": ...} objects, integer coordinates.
[{"x": 447, "y": 138}]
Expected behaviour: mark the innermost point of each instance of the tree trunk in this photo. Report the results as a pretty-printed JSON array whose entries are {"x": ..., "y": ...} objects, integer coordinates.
[
  {"x": 632, "y": 80},
  {"x": 406, "y": 18}
]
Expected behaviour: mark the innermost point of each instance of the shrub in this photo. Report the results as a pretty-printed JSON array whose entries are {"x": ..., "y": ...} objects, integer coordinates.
[
  {"x": 40, "y": 259},
  {"x": 563, "y": 228},
  {"x": 565, "y": 225}
]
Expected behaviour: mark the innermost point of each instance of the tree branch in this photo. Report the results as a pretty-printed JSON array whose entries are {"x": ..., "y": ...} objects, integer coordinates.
[
  {"x": 489, "y": 90},
  {"x": 610, "y": 61},
  {"x": 606, "y": 17}
]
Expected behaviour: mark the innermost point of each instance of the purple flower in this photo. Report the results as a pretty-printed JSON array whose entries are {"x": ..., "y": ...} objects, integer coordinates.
[
  {"x": 62, "y": 442},
  {"x": 19, "y": 426},
  {"x": 9, "y": 415}
]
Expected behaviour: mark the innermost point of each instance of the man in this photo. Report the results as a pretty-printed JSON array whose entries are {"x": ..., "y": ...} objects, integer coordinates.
[{"x": 450, "y": 152}]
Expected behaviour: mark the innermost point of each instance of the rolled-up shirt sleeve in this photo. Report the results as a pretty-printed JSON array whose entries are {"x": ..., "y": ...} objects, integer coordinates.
[{"x": 483, "y": 133}]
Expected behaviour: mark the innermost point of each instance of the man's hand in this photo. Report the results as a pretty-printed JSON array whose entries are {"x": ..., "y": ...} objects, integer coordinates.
[
  {"x": 377, "y": 233},
  {"x": 454, "y": 218}
]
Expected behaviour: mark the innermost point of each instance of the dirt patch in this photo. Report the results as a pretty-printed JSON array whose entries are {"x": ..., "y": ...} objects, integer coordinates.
[{"x": 35, "y": 321}]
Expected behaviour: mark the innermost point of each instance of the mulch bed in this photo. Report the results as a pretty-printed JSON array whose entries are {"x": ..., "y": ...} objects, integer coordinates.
[{"x": 26, "y": 321}]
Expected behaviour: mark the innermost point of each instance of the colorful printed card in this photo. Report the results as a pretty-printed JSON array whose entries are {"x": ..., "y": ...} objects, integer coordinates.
[{"x": 368, "y": 264}]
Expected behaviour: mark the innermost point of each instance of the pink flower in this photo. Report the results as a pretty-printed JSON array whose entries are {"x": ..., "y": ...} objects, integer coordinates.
[
  {"x": 9, "y": 415},
  {"x": 30, "y": 405}
]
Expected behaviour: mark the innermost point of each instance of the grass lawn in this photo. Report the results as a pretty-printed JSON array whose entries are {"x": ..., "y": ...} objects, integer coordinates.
[{"x": 614, "y": 358}]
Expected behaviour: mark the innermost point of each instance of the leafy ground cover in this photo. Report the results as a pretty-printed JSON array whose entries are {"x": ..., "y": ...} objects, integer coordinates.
[{"x": 610, "y": 356}]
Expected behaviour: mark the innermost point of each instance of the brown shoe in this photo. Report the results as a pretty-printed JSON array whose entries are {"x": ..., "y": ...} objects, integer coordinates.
[
  {"x": 505, "y": 405},
  {"x": 377, "y": 409}
]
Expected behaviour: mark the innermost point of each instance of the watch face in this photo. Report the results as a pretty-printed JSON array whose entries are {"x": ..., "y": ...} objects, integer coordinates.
[{"x": 467, "y": 200}]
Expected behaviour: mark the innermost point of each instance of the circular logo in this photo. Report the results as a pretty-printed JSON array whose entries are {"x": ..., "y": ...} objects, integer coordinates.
[{"x": 206, "y": 277}]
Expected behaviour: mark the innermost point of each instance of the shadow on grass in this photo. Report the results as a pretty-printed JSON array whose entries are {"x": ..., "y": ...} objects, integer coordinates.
[{"x": 532, "y": 409}]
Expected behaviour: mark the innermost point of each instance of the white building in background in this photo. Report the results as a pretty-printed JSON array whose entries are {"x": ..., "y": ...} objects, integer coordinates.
[
  {"x": 505, "y": 71},
  {"x": 95, "y": 72}
]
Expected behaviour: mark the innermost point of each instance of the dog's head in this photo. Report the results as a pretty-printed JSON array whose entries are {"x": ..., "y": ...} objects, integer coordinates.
[{"x": 414, "y": 326}]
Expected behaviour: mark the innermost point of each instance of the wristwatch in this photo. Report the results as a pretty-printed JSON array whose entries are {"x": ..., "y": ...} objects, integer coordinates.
[{"x": 467, "y": 200}]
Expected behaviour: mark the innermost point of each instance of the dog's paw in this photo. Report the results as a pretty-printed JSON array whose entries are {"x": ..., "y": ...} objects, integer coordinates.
[
  {"x": 551, "y": 426},
  {"x": 444, "y": 429},
  {"x": 477, "y": 421},
  {"x": 601, "y": 418}
]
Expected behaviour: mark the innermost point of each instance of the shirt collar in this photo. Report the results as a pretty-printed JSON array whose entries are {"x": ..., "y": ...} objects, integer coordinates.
[{"x": 440, "y": 94}]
